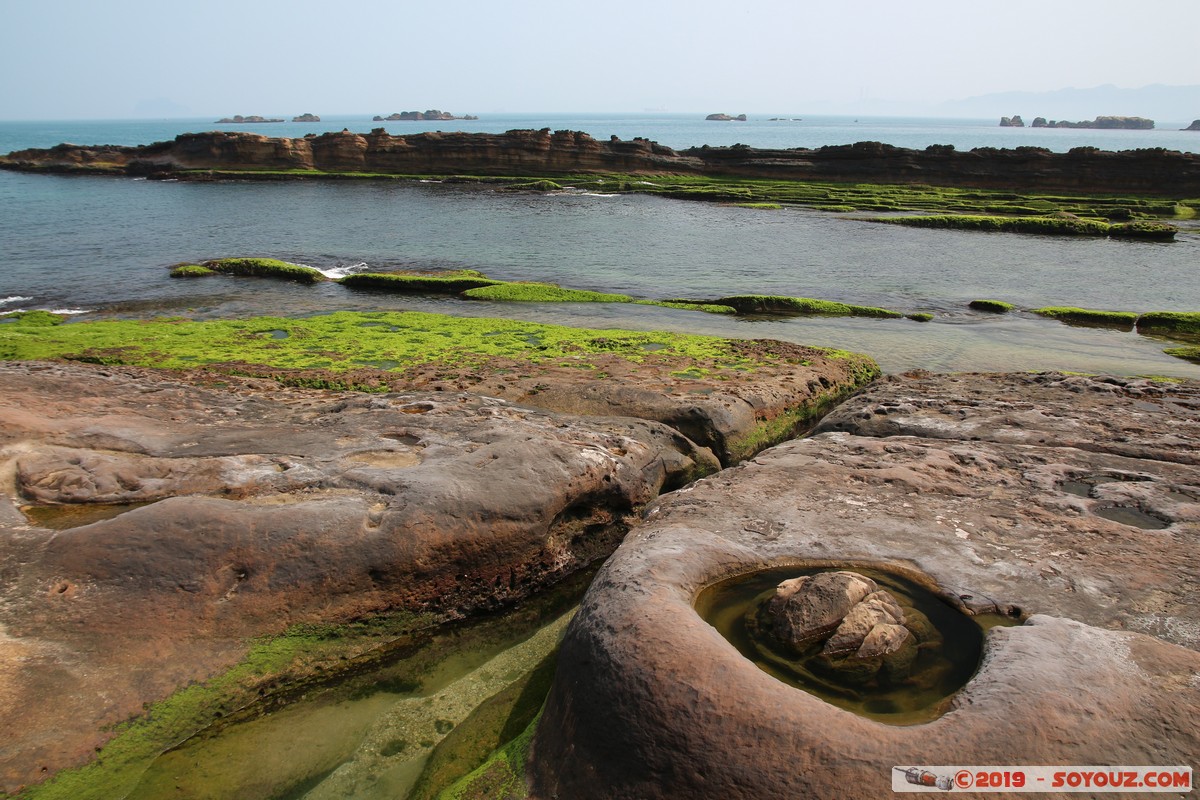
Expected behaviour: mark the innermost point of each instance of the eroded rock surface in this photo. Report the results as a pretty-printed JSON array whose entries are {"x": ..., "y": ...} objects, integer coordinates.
[
  {"x": 968, "y": 483},
  {"x": 272, "y": 507}
]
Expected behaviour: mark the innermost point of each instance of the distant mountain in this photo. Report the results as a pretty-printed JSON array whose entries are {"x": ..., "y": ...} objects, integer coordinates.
[{"x": 1164, "y": 104}]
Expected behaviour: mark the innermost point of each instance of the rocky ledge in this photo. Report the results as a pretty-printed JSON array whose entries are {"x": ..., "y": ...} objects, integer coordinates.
[
  {"x": 1071, "y": 503},
  {"x": 546, "y": 153},
  {"x": 237, "y": 509},
  {"x": 249, "y": 509}
]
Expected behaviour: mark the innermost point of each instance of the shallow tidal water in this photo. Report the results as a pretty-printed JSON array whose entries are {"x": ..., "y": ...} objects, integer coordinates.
[
  {"x": 937, "y": 673},
  {"x": 102, "y": 246},
  {"x": 392, "y": 731}
]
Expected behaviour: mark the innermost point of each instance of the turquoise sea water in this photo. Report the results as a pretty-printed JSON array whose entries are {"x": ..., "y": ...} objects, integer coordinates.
[{"x": 102, "y": 245}]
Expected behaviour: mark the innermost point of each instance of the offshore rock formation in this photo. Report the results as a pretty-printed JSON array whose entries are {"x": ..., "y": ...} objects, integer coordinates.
[
  {"x": 1195, "y": 126},
  {"x": 546, "y": 153},
  {"x": 238, "y": 119},
  {"x": 306, "y": 118},
  {"x": 414, "y": 116},
  {"x": 1013, "y": 122},
  {"x": 1106, "y": 123},
  {"x": 997, "y": 490},
  {"x": 725, "y": 118}
]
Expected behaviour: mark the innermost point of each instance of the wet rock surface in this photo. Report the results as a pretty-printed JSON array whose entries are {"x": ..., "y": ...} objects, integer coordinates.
[
  {"x": 270, "y": 507},
  {"x": 969, "y": 484}
]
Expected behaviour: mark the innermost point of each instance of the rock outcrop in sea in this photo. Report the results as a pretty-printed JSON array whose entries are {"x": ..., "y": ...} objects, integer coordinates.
[
  {"x": 415, "y": 116},
  {"x": 546, "y": 153},
  {"x": 238, "y": 119},
  {"x": 1103, "y": 123}
]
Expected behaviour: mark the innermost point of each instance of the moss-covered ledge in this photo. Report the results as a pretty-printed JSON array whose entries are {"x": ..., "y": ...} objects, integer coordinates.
[{"x": 733, "y": 396}]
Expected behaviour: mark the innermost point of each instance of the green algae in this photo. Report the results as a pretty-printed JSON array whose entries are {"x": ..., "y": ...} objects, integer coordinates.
[
  {"x": 501, "y": 777},
  {"x": 542, "y": 185},
  {"x": 994, "y": 306},
  {"x": 481, "y": 740},
  {"x": 689, "y": 305},
  {"x": 290, "y": 658},
  {"x": 1122, "y": 320},
  {"x": 1170, "y": 322},
  {"x": 191, "y": 271},
  {"x": 919, "y": 316},
  {"x": 1052, "y": 225},
  {"x": 541, "y": 293},
  {"x": 454, "y": 282},
  {"x": 776, "y": 304},
  {"x": 1186, "y": 352},
  {"x": 763, "y": 205},
  {"x": 32, "y": 319},
  {"x": 264, "y": 268},
  {"x": 1048, "y": 226},
  {"x": 343, "y": 341}
]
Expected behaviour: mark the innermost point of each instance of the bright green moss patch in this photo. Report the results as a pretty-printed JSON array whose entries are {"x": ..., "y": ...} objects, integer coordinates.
[
  {"x": 542, "y": 293},
  {"x": 191, "y": 271},
  {"x": 265, "y": 268},
  {"x": 32, "y": 319},
  {"x": 450, "y": 283},
  {"x": 698, "y": 305},
  {"x": 1169, "y": 322},
  {"x": 920, "y": 316},
  {"x": 765, "y": 206},
  {"x": 775, "y": 304},
  {"x": 1187, "y": 352},
  {"x": 1055, "y": 225},
  {"x": 1153, "y": 231},
  {"x": 994, "y": 306},
  {"x": 1049, "y": 226},
  {"x": 1086, "y": 316},
  {"x": 344, "y": 341}
]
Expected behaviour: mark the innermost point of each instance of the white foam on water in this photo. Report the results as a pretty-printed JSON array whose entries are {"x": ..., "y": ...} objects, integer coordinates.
[
  {"x": 339, "y": 271},
  {"x": 67, "y": 311},
  {"x": 16, "y": 298}
]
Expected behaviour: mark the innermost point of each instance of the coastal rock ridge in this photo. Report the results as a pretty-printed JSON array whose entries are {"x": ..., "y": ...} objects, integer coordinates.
[{"x": 546, "y": 153}]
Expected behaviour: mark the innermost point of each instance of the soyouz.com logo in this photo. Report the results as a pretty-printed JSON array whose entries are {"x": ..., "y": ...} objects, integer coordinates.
[{"x": 1177, "y": 780}]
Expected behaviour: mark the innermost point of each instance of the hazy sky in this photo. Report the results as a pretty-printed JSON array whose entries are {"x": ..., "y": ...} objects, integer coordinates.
[{"x": 135, "y": 58}]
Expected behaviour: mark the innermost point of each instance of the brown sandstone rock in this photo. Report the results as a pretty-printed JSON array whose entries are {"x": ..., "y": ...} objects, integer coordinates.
[
  {"x": 961, "y": 484},
  {"x": 274, "y": 507},
  {"x": 804, "y": 609},
  {"x": 543, "y": 153}
]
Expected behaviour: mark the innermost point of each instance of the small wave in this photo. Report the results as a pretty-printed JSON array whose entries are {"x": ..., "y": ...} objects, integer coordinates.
[
  {"x": 427, "y": 180},
  {"x": 62, "y": 312},
  {"x": 16, "y": 298},
  {"x": 340, "y": 271}
]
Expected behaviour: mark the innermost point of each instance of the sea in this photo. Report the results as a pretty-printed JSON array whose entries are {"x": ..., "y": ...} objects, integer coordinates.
[{"x": 100, "y": 247}]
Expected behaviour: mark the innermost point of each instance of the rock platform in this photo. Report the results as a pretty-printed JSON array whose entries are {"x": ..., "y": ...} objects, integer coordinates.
[
  {"x": 995, "y": 491},
  {"x": 262, "y": 508}
]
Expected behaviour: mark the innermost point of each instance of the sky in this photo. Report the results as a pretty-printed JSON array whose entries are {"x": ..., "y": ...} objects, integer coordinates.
[{"x": 146, "y": 58}]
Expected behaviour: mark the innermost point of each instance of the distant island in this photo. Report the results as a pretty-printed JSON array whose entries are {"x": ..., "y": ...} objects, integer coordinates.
[
  {"x": 238, "y": 119},
  {"x": 1195, "y": 126},
  {"x": 726, "y": 118},
  {"x": 413, "y": 116},
  {"x": 1108, "y": 123},
  {"x": 306, "y": 118}
]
